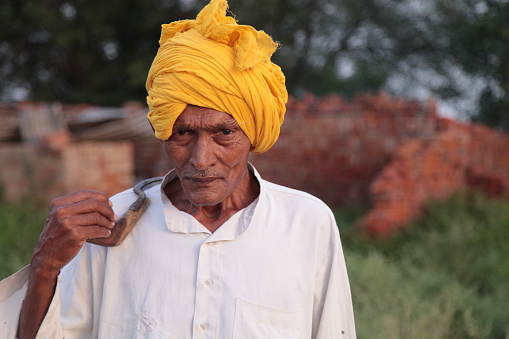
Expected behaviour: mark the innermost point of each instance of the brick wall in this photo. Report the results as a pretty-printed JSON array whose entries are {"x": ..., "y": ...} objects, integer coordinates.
[
  {"x": 391, "y": 154},
  {"x": 333, "y": 149},
  {"x": 43, "y": 174},
  {"x": 460, "y": 156}
]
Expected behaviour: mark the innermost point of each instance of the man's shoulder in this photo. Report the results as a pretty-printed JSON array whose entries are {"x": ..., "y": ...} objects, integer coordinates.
[
  {"x": 301, "y": 212},
  {"x": 295, "y": 198},
  {"x": 124, "y": 197}
]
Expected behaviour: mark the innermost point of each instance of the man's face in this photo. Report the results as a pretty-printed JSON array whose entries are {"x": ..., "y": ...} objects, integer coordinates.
[{"x": 210, "y": 153}]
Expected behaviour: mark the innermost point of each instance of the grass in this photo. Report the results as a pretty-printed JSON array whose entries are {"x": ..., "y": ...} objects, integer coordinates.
[
  {"x": 451, "y": 263},
  {"x": 398, "y": 301},
  {"x": 19, "y": 229},
  {"x": 444, "y": 277}
]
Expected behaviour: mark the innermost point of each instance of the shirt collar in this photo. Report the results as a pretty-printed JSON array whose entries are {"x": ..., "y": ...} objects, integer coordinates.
[{"x": 181, "y": 222}]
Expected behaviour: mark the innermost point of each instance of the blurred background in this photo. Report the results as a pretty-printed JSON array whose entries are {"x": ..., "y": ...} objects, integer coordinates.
[
  {"x": 99, "y": 52},
  {"x": 398, "y": 119}
]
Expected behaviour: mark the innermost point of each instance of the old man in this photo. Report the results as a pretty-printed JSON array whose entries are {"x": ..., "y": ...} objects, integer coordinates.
[{"x": 220, "y": 252}]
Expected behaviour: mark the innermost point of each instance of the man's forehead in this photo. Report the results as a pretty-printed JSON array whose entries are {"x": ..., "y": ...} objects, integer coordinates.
[{"x": 200, "y": 116}]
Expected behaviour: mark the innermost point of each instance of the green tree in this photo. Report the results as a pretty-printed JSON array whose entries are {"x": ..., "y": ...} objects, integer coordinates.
[
  {"x": 100, "y": 52},
  {"x": 81, "y": 51},
  {"x": 478, "y": 32},
  {"x": 454, "y": 50},
  {"x": 347, "y": 46}
]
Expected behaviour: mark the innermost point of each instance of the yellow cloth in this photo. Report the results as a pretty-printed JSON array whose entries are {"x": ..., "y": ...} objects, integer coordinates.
[{"x": 214, "y": 62}]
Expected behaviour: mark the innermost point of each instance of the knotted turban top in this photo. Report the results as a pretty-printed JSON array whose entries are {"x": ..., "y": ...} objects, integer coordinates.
[{"x": 213, "y": 62}]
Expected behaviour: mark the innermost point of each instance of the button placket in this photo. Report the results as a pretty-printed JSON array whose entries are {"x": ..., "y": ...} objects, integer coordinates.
[{"x": 207, "y": 293}]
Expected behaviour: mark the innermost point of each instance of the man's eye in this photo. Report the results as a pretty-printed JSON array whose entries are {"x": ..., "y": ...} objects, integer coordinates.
[
  {"x": 226, "y": 131},
  {"x": 183, "y": 132}
]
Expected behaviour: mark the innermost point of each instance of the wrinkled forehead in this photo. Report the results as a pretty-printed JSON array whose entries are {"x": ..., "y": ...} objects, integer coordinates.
[{"x": 194, "y": 117}]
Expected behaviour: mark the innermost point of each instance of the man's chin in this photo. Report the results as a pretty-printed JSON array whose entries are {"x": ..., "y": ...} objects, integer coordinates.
[{"x": 203, "y": 199}]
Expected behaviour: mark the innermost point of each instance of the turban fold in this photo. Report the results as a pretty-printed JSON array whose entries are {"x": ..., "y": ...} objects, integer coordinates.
[{"x": 213, "y": 62}]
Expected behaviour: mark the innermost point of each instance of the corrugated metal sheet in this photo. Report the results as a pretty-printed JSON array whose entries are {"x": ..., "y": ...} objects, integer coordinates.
[
  {"x": 39, "y": 120},
  {"x": 34, "y": 121},
  {"x": 135, "y": 126}
]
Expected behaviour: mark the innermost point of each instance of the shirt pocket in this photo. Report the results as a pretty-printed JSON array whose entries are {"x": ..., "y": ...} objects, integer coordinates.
[
  {"x": 257, "y": 321},
  {"x": 142, "y": 326}
]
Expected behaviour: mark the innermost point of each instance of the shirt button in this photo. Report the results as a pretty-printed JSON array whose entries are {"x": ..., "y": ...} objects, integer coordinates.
[
  {"x": 204, "y": 325},
  {"x": 208, "y": 282}
]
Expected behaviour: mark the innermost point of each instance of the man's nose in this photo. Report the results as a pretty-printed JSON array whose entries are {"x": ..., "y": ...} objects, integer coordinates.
[{"x": 202, "y": 156}]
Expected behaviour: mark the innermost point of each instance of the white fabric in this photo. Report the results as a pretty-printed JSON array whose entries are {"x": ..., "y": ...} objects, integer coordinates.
[
  {"x": 273, "y": 270},
  {"x": 12, "y": 293}
]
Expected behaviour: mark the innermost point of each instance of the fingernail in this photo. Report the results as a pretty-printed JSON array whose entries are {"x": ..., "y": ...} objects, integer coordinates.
[
  {"x": 111, "y": 204},
  {"x": 112, "y": 224},
  {"x": 116, "y": 217}
]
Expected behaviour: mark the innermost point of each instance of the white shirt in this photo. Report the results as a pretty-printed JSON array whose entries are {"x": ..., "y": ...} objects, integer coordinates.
[{"x": 273, "y": 270}]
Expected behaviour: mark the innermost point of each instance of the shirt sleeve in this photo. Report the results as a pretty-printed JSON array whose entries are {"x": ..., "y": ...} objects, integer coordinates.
[
  {"x": 70, "y": 314},
  {"x": 333, "y": 316},
  {"x": 12, "y": 293}
]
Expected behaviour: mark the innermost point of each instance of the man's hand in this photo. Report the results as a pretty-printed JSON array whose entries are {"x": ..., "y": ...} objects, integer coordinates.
[{"x": 71, "y": 221}]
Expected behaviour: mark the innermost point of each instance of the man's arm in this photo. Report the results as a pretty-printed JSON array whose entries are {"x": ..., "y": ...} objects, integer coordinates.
[{"x": 71, "y": 221}]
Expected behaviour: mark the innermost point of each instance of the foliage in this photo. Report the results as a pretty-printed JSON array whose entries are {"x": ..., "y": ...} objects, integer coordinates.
[
  {"x": 99, "y": 52},
  {"x": 394, "y": 300},
  {"x": 469, "y": 238},
  {"x": 462, "y": 241},
  {"x": 20, "y": 226},
  {"x": 81, "y": 51},
  {"x": 349, "y": 46},
  {"x": 478, "y": 34}
]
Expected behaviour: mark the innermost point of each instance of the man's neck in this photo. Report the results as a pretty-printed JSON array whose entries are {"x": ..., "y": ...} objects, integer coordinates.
[{"x": 213, "y": 216}]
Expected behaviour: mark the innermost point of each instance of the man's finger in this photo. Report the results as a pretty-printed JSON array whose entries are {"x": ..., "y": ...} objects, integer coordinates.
[
  {"x": 92, "y": 232},
  {"x": 81, "y": 196},
  {"x": 86, "y": 206},
  {"x": 94, "y": 219}
]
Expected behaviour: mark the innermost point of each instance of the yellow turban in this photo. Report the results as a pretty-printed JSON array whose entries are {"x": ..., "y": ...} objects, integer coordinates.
[{"x": 213, "y": 62}]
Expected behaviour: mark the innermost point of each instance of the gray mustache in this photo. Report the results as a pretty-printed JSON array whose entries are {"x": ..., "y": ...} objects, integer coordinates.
[{"x": 201, "y": 174}]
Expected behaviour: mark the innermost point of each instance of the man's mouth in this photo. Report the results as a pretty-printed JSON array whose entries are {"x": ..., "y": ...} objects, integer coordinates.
[{"x": 203, "y": 181}]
